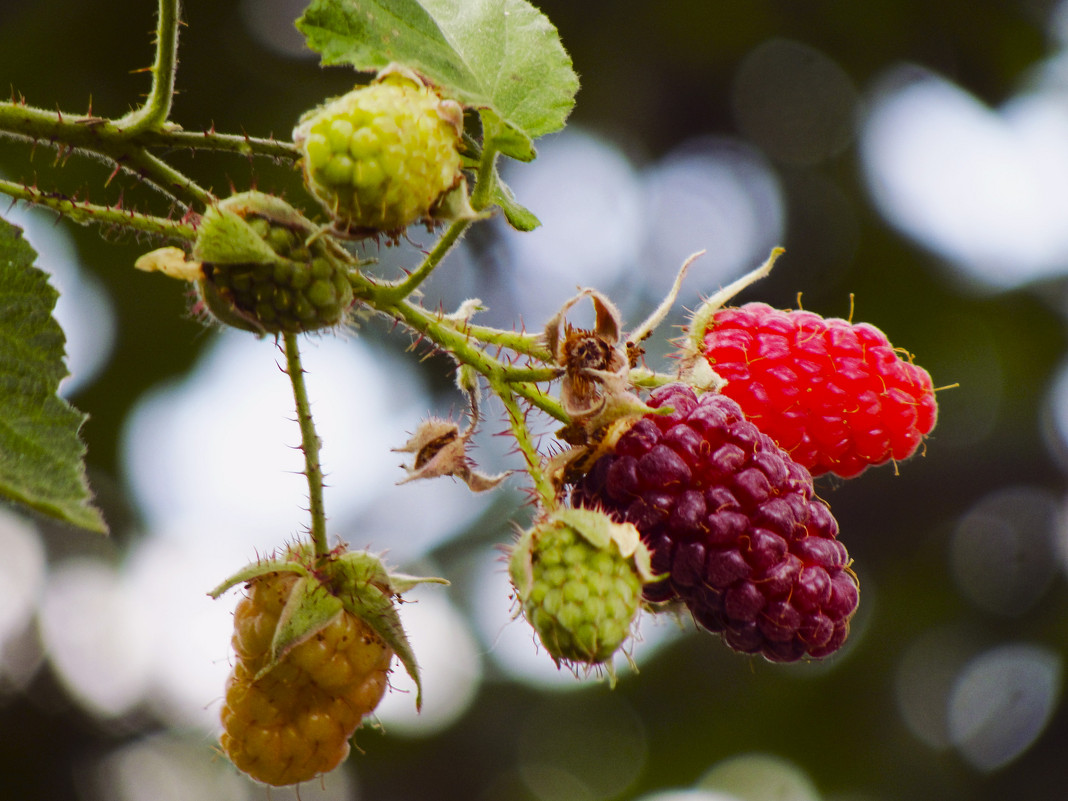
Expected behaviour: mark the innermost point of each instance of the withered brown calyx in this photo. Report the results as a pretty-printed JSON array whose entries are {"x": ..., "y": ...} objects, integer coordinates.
[{"x": 441, "y": 450}]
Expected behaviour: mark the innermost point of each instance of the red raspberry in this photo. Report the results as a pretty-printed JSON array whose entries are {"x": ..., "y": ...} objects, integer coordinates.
[
  {"x": 732, "y": 519},
  {"x": 836, "y": 396}
]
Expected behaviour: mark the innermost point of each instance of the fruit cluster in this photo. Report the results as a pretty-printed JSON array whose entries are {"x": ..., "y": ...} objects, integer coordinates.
[
  {"x": 314, "y": 638},
  {"x": 289, "y": 720},
  {"x": 733, "y": 522},
  {"x": 297, "y": 292}
]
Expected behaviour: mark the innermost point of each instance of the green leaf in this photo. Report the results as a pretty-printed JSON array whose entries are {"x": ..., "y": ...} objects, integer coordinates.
[
  {"x": 519, "y": 217},
  {"x": 503, "y": 57},
  {"x": 41, "y": 455}
]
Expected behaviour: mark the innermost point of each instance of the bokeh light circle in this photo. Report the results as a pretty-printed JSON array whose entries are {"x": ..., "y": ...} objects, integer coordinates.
[
  {"x": 1003, "y": 552},
  {"x": 760, "y": 777},
  {"x": 585, "y": 747},
  {"x": 1002, "y": 701}
]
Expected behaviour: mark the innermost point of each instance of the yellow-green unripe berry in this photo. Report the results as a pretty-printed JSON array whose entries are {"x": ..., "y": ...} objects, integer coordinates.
[{"x": 380, "y": 157}]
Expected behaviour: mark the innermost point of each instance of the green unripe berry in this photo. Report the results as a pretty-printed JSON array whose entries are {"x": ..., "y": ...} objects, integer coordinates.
[
  {"x": 265, "y": 271},
  {"x": 579, "y": 578}
]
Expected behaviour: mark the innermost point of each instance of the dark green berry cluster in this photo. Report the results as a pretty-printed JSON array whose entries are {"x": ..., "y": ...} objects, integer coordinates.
[
  {"x": 263, "y": 267},
  {"x": 301, "y": 290}
]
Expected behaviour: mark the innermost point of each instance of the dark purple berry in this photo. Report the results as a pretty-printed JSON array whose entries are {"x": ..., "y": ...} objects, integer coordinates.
[{"x": 734, "y": 522}]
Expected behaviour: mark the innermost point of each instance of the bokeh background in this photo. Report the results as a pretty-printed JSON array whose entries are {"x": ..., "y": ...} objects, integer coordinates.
[{"x": 912, "y": 157}]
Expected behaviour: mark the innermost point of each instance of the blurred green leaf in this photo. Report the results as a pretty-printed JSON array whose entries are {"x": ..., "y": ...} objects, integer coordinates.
[
  {"x": 41, "y": 455},
  {"x": 501, "y": 56}
]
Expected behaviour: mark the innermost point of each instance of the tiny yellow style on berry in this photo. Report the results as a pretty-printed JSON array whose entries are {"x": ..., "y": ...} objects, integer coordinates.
[{"x": 382, "y": 156}]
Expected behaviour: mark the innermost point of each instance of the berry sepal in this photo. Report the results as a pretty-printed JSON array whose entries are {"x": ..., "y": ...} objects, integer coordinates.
[
  {"x": 367, "y": 590},
  {"x": 356, "y": 583}
]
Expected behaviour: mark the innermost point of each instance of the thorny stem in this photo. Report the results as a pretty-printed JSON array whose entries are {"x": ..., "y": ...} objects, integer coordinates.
[
  {"x": 227, "y": 143},
  {"x": 172, "y": 181},
  {"x": 526, "y": 344},
  {"x": 98, "y": 134},
  {"x": 517, "y": 421},
  {"x": 87, "y": 134},
  {"x": 310, "y": 444},
  {"x": 480, "y": 198},
  {"x": 532, "y": 374},
  {"x": 432, "y": 260},
  {"x": 85, "y": 213},
  {"x": 154, "y": 113},
  {"x": 467, "y": 350}
]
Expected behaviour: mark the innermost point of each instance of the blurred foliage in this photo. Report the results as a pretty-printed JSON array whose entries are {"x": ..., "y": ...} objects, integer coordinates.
[{"x": 653, "y": 75}]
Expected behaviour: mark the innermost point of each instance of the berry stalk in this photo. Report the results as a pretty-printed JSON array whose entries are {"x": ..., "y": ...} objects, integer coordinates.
[
  {"x": 480, "y": 198},
  {"x": 157, "y": 108},
  {"x": 85, "y": 213},
  {"x": 482, "y": 194},
  {"x": 91, "y": 133},
  {"x": 518, "y": 423},
  {"x": 518, "y": 341},
  {"x": 461, "y": 345},
  {"x": 432, "y": 260},
  {"x": 309, "y": 444}
]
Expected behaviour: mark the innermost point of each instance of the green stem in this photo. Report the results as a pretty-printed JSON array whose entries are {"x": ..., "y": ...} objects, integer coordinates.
[
  {"x": 533, "y": 394},
  {"x": 527, "y": 344},
  {"x": 85, "y": 213},
  {"x": 173, "y": 182},
  {"x": 481, "y": 196},
  {"x": 642, "y": 377},
  {"x": 534, "y": 375},
  {"x": 95, "y": 135},
  {"x": 225, "y": 143},
  {"x": 396, "y": 292},
  {"x": 154, "y": 113},
  {"x": 518, "y": 423},
  {"x": 310, "y": 444},
  {"x": 462, "y": 342},
  {"x": 99, "y": 134}
]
